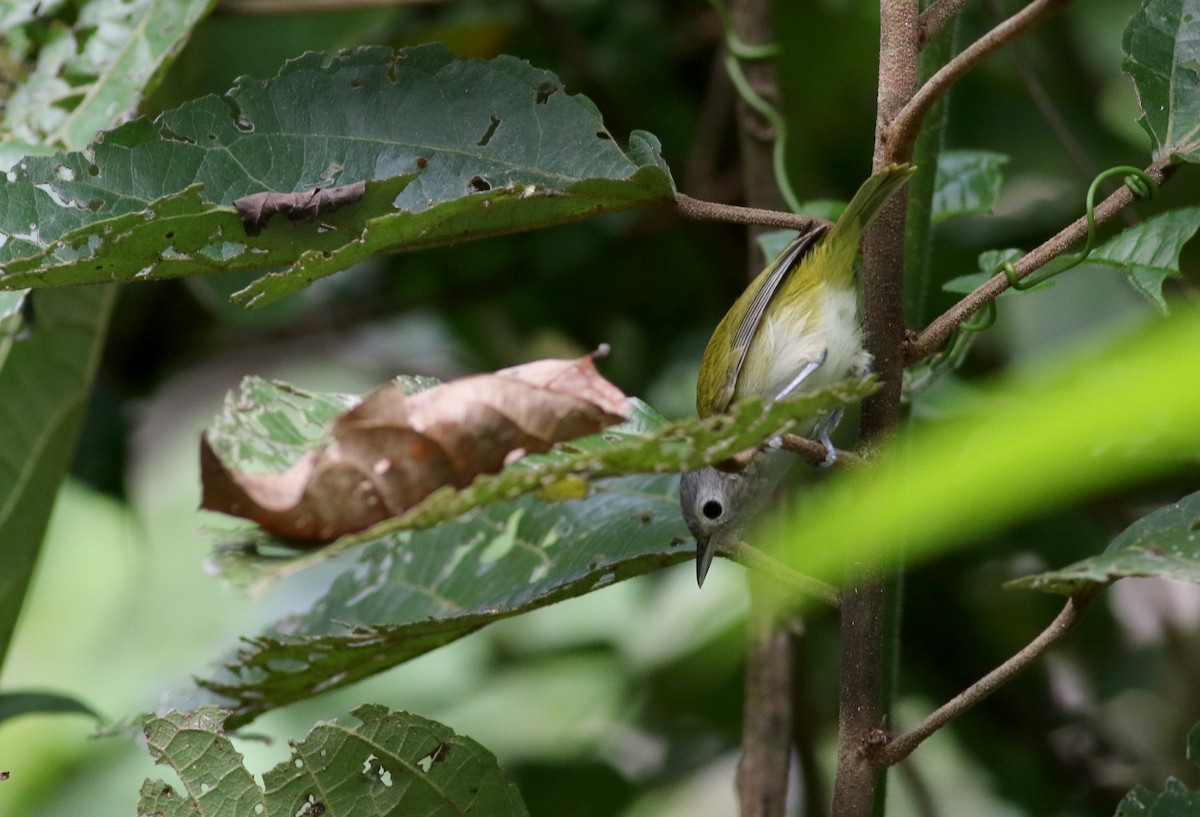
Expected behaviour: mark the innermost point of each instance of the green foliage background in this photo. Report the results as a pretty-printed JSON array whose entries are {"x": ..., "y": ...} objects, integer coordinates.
[{"x": 633, "y": 694}]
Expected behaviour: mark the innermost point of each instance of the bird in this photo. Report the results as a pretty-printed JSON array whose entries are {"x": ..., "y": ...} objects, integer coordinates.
[{"x": 796, "y": 329}]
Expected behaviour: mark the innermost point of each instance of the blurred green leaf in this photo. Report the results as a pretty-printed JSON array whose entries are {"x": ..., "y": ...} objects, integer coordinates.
[
  {"x": 449, "y": 148},
  {"x": 989, "y": 264},
  {"x": 92, "y": 70},
  {"x": 1164, "y": 543},
  {"x": 1162, "y": 56},
  {"x": 393, "y": 763},
  {"x": 645, "y": 444},
  {"x": 13, "y": 704},
  {"x": 1043, "y": 438},
  {"x": 967, "y": 183},
  {"x": 44, "y": 383}
]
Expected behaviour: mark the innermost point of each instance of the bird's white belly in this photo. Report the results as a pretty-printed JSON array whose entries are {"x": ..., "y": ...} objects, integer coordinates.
[{"x": 831, "y": 331}]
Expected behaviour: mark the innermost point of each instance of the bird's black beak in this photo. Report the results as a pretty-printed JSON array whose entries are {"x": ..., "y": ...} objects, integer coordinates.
[{"x": 706, "y": 548}]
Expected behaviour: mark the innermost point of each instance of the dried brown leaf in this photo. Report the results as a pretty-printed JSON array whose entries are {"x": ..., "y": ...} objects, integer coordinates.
[
  {"x": 392, "y": 450},
  {"x": 257, "y": 208}
]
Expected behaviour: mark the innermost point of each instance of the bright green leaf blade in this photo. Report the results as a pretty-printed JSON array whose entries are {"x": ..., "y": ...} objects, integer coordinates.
[
  {"x": 392, "y": 763},
  {"x": 967, "y": 183},
  {"x": 44, "y": 384},
  {"x": 96, "y": 70},
  {"x": 14, "y": 704},
  {"x": 1165, "y": 544},
  {"x": 646, "y": 445},
  {"x": 1054, "y": 436},
  {"x": 415, "y": 591},
  {"x": 449, "y": 148},
  {"x": 1162, "y": 57}
]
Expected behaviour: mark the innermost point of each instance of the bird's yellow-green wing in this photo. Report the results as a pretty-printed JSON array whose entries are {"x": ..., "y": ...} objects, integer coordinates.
[{"x": 730, "y": 342}]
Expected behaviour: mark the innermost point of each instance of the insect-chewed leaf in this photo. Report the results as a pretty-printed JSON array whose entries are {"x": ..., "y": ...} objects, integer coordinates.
[{"x": 392, "y": 450}]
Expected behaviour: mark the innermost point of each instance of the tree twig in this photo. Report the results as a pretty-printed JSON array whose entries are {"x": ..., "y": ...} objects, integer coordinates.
[
  {"x": 900, "y": 747},
  {"x": 755, "y": 559},
  {"x": 700, "y": 210},
  {"x": 902, "y": 129},
  {"x": 762, "y": 770},
  {"x": 939, "y": 330}
]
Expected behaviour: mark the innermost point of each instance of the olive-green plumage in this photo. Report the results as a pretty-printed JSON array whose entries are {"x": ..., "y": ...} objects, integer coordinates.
[
  {"x": 794, "y": 330},
  {"x": 799, "y": 308}
]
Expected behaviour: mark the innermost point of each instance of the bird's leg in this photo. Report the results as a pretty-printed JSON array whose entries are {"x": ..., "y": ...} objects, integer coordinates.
[
  {"x": 825, "y": 427},
  {"x": 801, "y": 376}
]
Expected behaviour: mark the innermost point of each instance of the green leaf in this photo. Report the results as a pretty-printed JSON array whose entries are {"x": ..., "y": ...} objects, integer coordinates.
[
  {"x": 1175, "y": 800},
  {"x": 415, "y": 591},
  {"x": 90, "y": 70},
  {"x": 13, "y": 704},
  {"x": 1164, "y": 544},
  {"x": 1148, "y": 253},
  {"x": 967, "y": 183},
  {"x": 989, "y": 264},
  {"x": 1162, "y": 57},
  {"x": 1045, "y": 436},
  {"x": 449, "y": 149},
  {"x": 646, "y": 445},
  {"x": 392, "y": 763},
  {"x": 44, "y": 383}
]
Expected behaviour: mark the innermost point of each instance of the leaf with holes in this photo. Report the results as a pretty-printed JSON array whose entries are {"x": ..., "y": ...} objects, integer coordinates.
[
  {"x": 393, "y": 449},
  {"x": 93, "y": 62},
  {"x": 1162, "y": 57},
  {"x": 444, "y": 149},
  {"x": 646, "y": 444},
  {"x": 391, "y": 763},
  {"x": 1164, "y": 544}
]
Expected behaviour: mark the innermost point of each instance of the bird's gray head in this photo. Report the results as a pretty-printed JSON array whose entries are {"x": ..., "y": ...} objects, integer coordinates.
[{"x": 716, "y": 504}]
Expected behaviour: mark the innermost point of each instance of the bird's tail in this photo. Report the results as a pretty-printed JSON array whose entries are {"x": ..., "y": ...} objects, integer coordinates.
[{"x": 845, "y": 234}]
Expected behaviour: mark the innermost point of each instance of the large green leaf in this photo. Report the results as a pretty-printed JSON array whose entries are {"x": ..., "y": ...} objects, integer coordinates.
[
  {"x": 415, "y": 591},
  {"x": 1162, "y": 56},
  {"x": 271, "y": 424},
  {"x": 44, "y": 383},
  {"x": 449, "y": 149},
  {"x": 392, "y": 763},
  {"x": 1165, "y": 544},
  {"x": 93, "y": 65}
]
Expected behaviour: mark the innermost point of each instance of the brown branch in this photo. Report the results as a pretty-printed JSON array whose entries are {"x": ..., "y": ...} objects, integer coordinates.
[
  {"x": 861, "y": 707},
  {"x": 762, "y": 770},
  {"x": 935, "y": 17},
  {"x": 939, "y": 330},
  {"x": 754, "y": 559},
  {"x": 700, "y": 210},
  {"x": 900, "y": 747},
  {"x": 902, "y": 129}
]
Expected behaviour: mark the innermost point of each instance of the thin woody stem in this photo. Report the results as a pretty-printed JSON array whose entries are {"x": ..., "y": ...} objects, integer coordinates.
[
  {"x": 939, "y": 330},
  {"x": 700, "y": 210},
  {"x": 898, "y": 748},
  {"x": 903, "y": 128}
]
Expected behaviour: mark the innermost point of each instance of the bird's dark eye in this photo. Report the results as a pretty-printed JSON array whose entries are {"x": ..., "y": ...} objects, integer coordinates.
[{"x": 712, "y": 509}]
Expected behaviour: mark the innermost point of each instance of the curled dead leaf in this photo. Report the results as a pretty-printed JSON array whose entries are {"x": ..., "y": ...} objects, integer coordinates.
[
  {"x": 257, "y": 208},
  {"x": 392, "y": 450}
]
